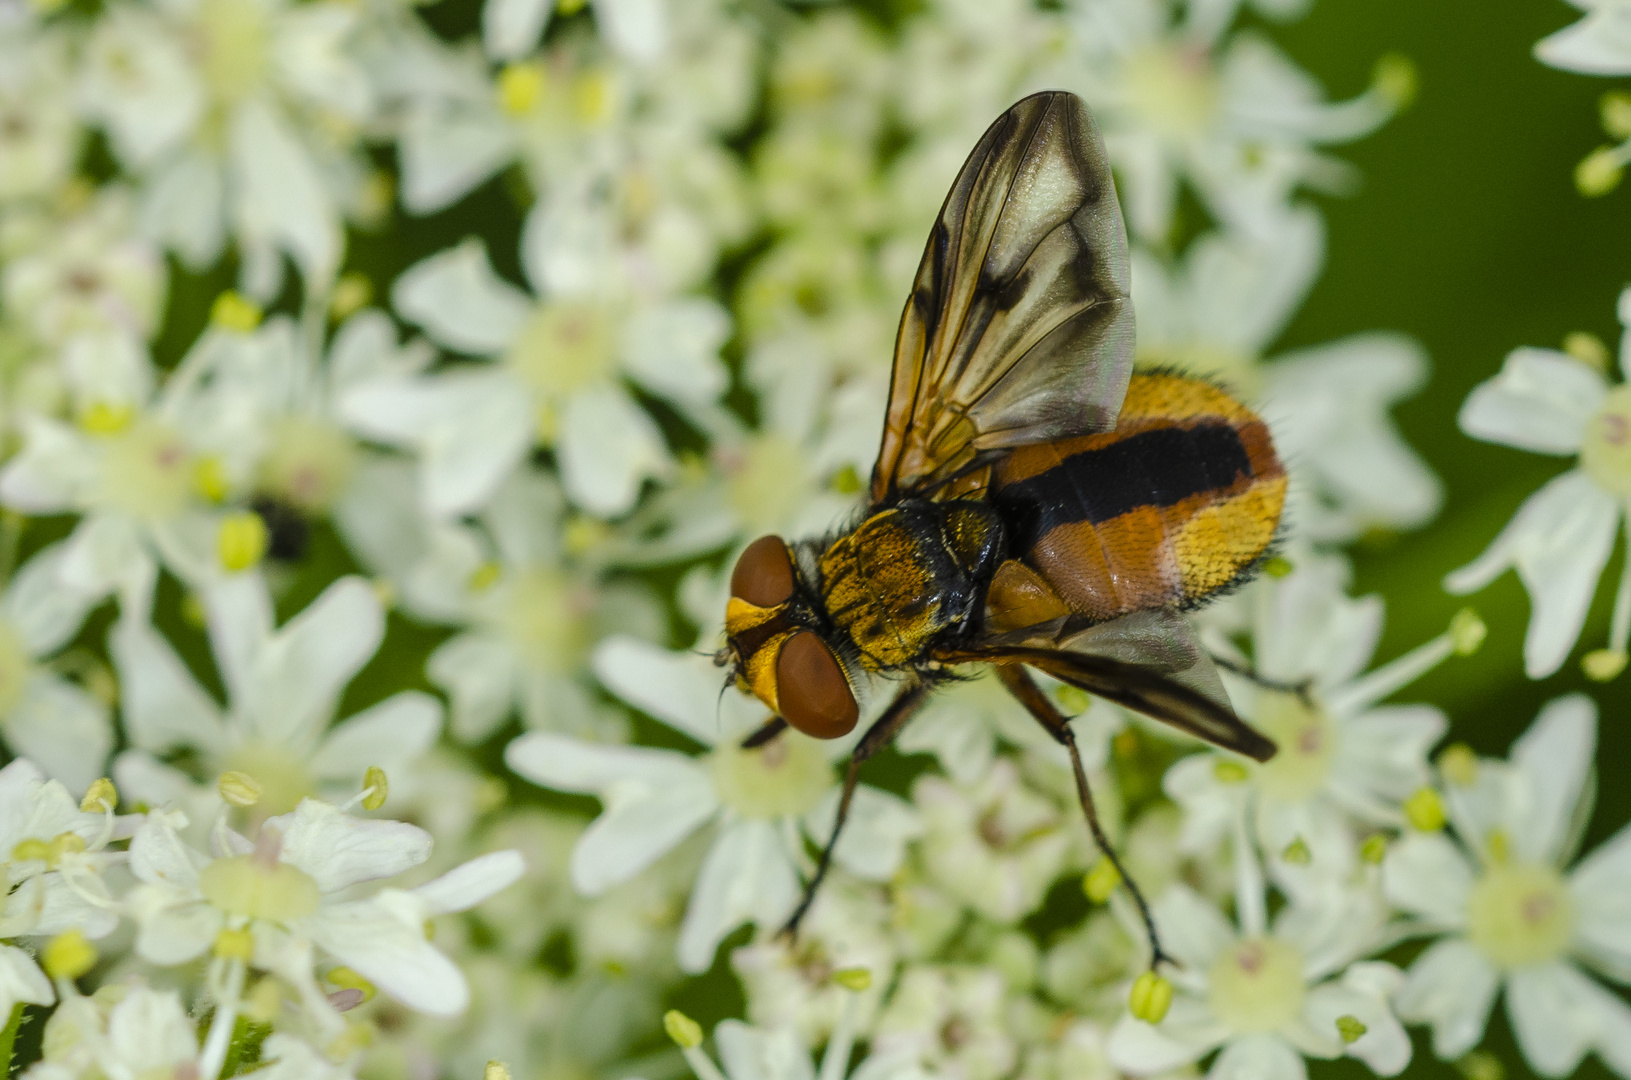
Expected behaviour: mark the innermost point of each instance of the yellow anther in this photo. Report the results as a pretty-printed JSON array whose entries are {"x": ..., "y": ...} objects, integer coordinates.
[
  {"x": 1458, "y": 764},
  {"x": 105, "y": 417},
  {"x": 68, "y": 955},
  {"x": 234, "y": 945},
  {"x": 847, "y": 481},
  {"x": 519, "y": 88},
  {"x": 1278, "y": 567},
  {"x": 1374, "y": 849},
  {"x": 210, "y": 479},
  {"x": 1467, "y": 632},
  {"x": 1603, "y": 665},
  {"x": 1150, "y": 998},
  {"x": 235, "y": 312},
  {"x": 496, "y": 1070},
  {"x": 1498, "y": 846},
  {"x": 1230, "y": 772},
  {"x": 241, "y": 541},
  {"x": 239, "y": 788},
  {"x": 31, "y": 850},
  {"x": 591, "y": 95},
  {"x": 376, "y": 788},
  {"x": 351, "y": 294},
  {"x": 1588, "y": 349},
  {"x": 484, "y": 576},
  {"x": 853, "y": 978},
  {"x": 347, "y": 979},
  {"x": 101, "y": 796},
  {"x": 1395, "y": 79},
  {"x": 1101, "y": 880},
  {"x": 1296, "y": 853},
  {"x": 1615, "y": 110},
  {"x": 1350, "y": 1028},
  {"x": 1481, "y": 1065},
  {"x": 1598, "y": 172},
  {"x": 685, "y": 1032},
  {"x": 1425, "y": 810}
]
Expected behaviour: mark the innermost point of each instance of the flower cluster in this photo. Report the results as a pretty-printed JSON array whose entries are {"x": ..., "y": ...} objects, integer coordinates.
[{"x": 385, "y": 394}]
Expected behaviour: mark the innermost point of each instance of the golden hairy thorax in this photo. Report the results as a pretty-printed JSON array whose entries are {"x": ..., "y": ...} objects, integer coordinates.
[{"x": 908, "y": 575}]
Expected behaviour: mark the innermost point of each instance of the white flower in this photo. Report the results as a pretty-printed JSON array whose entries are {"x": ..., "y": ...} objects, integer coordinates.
[
  {"x": 765, "y": 801},
  {"x": 1216, "y": 311},
  {"x": 208, "y": 100},
  {"x": 950, "y": 1021},
  {"x": 1345, "y": 761},
  {"x": 1560, "y": 538},
  {"x": 635, "y": 28},
  {"x": 43, "y": 716},
  {"x": 558, "y": 382},
  {"x": 1599, "y": 44},
  {"x": 291, "y": 891},
  {"x": 53, "y": 855},
  {"x": 1267, "y": 996},
  {"x": 1237, "y": 118},
  {"x": 1512, "y": 912},
  {"x": 39, "y": 136},
  {"x": 283, "y": 687}
]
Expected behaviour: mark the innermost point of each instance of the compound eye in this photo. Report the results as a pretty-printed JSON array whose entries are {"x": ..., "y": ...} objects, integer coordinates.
[
  {"x": 764, "y": 573},
  {"x": 815, "y": 697}
]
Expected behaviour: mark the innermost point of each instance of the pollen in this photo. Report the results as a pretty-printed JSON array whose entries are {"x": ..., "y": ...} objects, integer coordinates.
[
  {"x": 234, "y": 312},
  {"x": 1425, "y": 810},
  {"x": 241, "y": 541},
  {"x": 1150, "y": 998},
  {"x": 68, "y": 956}
]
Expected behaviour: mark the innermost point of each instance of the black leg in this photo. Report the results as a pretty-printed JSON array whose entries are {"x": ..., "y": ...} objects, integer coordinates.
[
  {"x": 1301, "y": 688},
  {"x": 772, "y": 727},
  {"x": 878, "y": 736},
  {"x": 1024, "y": 688}
]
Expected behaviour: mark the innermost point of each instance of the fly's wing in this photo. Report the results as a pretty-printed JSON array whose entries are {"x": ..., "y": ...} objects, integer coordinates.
[
  {"x": 1150, "y": 661},
  {"x": 1019, "y": 328}
]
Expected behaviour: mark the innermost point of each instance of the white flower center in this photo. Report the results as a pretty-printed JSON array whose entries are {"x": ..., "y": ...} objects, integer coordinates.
[
  {"x": 229, "y": 43},
  {"x": 1605, "y": 453},
  {"x": 784, "y": 778},
  {"x": 14, "y": 668},
  {"x": 763, "y": 479},
  {"x": 544, "y": 615},
  {"x": 1257, "y": 985},
  {"x": 244, "y": 885},
  {"x": 308, "y": 464},
  {"x": 564, "y": 347},
  {"x": 1307, "y": 741},
  {"x": 1520, "y": 914},
  {"x": 146, "y": 471},
  {"x": 1173, "y": 89}
]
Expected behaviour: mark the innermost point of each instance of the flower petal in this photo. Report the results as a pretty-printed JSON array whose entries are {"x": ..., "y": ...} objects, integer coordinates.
[
  {"x": 1258, "y": 1057},
  {"x": 681, "y": 689},
  {"x": 746, "y": 877},
  {"x": 1555, "y": 758},
  {"x": 61, "y": 727},
  {"x": 383, "y": 939},
  {"x": 469, "y": 883},
  {"x": 1425, "y": 874},
  {"x": 1601, "y": 889},
  {"x": 162, "y": 706},
  {"x": 393, "y": 733},
  {"x": 1558, "y": 1015},
  {"x": 607, "y": 446},
  {"x": 1541, "y": 401},
  {"x": 337, "y": 849},
  {"x": 873, "y": 843},
  {"x": 1452, "y": 987},
  {"x": 460, "y": 301},
  {"x": 478, "y": 673}
]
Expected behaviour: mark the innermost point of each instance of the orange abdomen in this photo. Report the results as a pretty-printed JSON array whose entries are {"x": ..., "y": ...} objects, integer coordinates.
[{"x": 1178, "y": 502}]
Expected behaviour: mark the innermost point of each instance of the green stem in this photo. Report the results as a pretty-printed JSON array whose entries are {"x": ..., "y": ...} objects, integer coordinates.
[{"x": 8, "y": 1037}]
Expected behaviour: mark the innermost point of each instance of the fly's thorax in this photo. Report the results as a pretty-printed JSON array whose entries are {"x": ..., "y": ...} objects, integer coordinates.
[{"x": 910, "y": 575}]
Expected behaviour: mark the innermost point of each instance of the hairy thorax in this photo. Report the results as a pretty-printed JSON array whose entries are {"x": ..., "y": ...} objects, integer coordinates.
[{"x": 910, "y": 576}]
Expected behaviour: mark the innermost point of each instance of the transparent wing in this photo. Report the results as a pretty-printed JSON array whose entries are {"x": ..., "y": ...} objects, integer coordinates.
[{"x": 1019, "y": 328}]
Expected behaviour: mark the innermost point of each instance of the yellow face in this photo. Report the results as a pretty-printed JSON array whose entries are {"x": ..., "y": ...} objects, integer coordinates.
[{"x": 780, "y": 660}]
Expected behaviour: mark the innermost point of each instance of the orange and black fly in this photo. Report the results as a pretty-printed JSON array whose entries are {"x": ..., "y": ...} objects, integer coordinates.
[{"x": 1035, "y": 504}]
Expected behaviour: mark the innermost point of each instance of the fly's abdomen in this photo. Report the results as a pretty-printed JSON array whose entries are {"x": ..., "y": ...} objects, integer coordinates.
[{"x": 1176, "y": 503}]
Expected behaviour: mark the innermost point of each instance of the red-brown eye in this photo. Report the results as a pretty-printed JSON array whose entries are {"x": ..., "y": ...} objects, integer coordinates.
[
  {"x": 815, "y": 697},
  {"x": 764, "y": 573}
]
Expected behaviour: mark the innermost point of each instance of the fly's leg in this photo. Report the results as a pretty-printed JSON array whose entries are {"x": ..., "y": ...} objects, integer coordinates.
[
  {"x": 1301, "y": 688},
  {"x": 878, "y": 736},
  {"x": 772, "y": 727},
  {"x": 1024, "y": 688}
]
